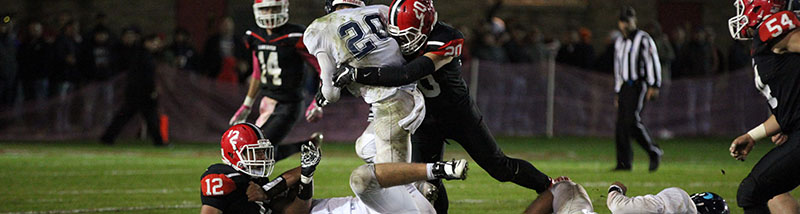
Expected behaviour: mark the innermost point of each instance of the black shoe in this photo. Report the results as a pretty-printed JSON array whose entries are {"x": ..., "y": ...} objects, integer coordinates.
[
  {"x": 619, "y": 169},
  {"x": 655, "y": 160}
]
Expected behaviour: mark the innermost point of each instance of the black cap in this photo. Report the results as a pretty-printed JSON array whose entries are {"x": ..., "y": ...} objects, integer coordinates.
[{"x": 627, "y": 13}]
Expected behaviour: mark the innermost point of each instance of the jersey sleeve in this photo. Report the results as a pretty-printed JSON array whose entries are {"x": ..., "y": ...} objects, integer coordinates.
[
  {"x": 313, "y": 39},
  {"x": 777, "y": 26},
  {"x": 619, "y": 203},
  {"x": 214, "y": 187},
  {"x": 446, "y": 44}
]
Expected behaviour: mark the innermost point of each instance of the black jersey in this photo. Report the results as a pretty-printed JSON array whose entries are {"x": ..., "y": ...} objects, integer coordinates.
[
  {"x": 224, "y": 188},
  {"x": 445, "y": 88},
  {"x": 278, "y": 61},
  {"x": 776, "y": 75}
]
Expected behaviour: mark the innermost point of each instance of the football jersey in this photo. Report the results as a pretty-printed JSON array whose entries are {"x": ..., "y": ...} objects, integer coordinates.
[
  {"x": 224, "y": 188},
  {"x": 357, "y": 36},
  {"x": 278, "y": 58},
  {"x": 776, "y": 75},
  {"x": 445, "y": 88},
  {"x": 669, "y": 200}
]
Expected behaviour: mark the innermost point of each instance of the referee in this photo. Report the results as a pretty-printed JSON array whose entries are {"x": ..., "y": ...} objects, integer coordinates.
[{"x": 637, "y": 73}]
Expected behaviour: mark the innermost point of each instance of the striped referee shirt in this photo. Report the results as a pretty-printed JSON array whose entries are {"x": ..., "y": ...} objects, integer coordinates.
[{"x": 636, "y": 58}]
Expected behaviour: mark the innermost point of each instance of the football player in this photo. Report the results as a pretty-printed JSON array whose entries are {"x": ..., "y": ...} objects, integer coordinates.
[
  {"x": 776, "y": 42},
  {"x": 451, "y": 113},
  {"x": 241, "y": 184},
  {"x": 278, "y": 56},
  {"x": 669, "y": 200},
  {"x": 355, "y": 34}
]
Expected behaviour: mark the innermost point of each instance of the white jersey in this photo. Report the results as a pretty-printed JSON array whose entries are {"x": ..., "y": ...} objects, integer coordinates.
[
  {"x": 669, "y": 200},
  {"x": 356, "y": 36}
]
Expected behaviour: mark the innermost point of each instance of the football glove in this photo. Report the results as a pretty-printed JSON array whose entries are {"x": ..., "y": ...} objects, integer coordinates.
[
  {"x": 309, "y": 159},
  {"x": 313, "y": 112},
  {"x": 345, "y": 74}
]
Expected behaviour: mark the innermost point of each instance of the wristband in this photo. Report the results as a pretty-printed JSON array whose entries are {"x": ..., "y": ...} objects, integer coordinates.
[
  {"x": 758, "y": 132},
  {"x": 305, "y": 179},
  {"x": 248, "y": 101}
]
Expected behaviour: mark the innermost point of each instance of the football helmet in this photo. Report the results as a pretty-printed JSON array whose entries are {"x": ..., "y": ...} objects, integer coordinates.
[
  {"x": 710, "y": 203},
  {"x": 331, "y": 4},
  {"x": 410, "y": 22},
  {"x": 750, "y": 13},
  {"x": 273, "y": 19},
  {"x": 246, "y": 149}
]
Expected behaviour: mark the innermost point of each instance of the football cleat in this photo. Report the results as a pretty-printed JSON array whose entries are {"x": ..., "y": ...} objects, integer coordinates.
[{"x": 454, "y": 169}]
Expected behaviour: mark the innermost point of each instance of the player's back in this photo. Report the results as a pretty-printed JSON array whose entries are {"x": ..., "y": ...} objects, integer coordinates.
[{"x": 357, "y": 36}]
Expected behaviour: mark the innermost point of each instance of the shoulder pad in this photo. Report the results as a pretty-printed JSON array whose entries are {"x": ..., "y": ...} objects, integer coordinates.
[{"x": 777, "y": 25}]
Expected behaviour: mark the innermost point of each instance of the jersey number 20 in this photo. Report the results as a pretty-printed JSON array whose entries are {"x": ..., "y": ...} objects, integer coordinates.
[{"x": 358, "y": 42}]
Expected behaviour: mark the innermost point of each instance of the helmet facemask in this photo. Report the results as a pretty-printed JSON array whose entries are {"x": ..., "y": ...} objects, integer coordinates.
[
  {"x": 276, "y": 18},
  {"x": 737, "y": 24},
  {"x": 410, "y": 39},
  {"x": 256, "y": 160}
]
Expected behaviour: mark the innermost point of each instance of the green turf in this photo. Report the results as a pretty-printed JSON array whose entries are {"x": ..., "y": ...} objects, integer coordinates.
[{"x": 135, "y": 177}]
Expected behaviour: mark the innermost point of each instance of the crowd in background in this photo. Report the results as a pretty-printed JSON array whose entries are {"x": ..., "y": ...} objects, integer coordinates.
[
  {"x": 686, "y": 52},
  {"x": 44, "y": 59}
]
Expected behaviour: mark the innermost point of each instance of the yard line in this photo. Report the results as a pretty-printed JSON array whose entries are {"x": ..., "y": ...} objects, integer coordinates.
[
  {"x": 112, "y": 209},
  {"x": 121, "y": 191},
  {"x": 109, "y": 172}
]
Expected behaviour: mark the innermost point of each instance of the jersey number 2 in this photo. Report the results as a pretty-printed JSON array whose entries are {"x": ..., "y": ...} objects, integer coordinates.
[
  {"x": 357, "y": 40},
  {"x": 271, "y": 67}
]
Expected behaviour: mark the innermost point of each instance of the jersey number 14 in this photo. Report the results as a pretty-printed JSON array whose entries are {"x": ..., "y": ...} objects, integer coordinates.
[{"x": 270, "y": 67}]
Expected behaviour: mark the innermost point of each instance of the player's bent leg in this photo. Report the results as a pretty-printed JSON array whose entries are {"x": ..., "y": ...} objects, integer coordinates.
[
  {"x": 776, "y": 173},
  {"x": 393, "y": 142},
  {"x": 395, "y": 199},
  {"x": 365, "y": 144}
]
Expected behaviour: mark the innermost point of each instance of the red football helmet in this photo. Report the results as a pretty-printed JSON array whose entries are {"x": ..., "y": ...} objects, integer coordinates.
[
  {"x": 410, "y": 23},
  {"x": 246, "y": 150},
  {"x": 750, "y": 13},
  {"x": 272, "y": 19}
]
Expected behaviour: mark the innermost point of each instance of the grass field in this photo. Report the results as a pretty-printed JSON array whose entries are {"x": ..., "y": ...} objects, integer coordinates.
[{"x": 134, "y": 177}]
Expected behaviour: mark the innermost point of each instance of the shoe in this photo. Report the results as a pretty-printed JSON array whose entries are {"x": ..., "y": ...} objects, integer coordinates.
[
  {"x": 655, "y": 160},
  {"x": 619, "y": 169},
  {"x": 454, "y": 169},
  {"x": 316, "y": 138}
]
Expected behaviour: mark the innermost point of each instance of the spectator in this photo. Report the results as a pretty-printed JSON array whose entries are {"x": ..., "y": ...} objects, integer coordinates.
[
  {"x": 126, "y": 49},
  {"x": 717, "y": 59},
  {"x": 512, "y": 46},
  {"x": 224, "y": 53},
  {"x": 665, "y": 52},
  {"x": 65, "y": 75},
  {"x": 140, "y": 94},
  {"x": 35, "y": 60},
  {"x": 95, "y": 61},
  {"x": 534, "y": 46},
  {"x": 181, "y": 51},
  {"x": 605, "y": 62},
  {"x": 678, "y": 40},
  {"x": 698, "y": 55},
  {"x": 8, "y": 61},
  {"x": 577, "y": 49}
]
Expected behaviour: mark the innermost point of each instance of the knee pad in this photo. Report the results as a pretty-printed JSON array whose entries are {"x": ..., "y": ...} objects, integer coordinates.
[
  {"x": 365, "y": 147},
  {"x": 363, "y": 179}
]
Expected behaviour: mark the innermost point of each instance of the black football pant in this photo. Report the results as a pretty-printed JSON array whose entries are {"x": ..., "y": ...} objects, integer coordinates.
[
  {"x": 132, "y": 105},
  {"x": 629, "y": 124},
  {"x": 465, "y": 125},
  {"x": 776, "y": 173},
  {"x": 279, "y": 125}
]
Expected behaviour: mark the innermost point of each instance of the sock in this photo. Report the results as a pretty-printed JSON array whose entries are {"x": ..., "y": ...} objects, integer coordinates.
[{"x": 429, "y": 169}]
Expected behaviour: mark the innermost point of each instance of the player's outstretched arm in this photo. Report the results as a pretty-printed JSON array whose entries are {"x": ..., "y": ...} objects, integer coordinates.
[
  {"x": 741, "y": 146},
  {"x": 391, "y": 75},
  {"x": 241, "y": 115}
]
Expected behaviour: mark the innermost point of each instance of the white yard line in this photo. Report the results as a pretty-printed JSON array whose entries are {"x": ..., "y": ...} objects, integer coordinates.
[{"x": 113, "y": 209}]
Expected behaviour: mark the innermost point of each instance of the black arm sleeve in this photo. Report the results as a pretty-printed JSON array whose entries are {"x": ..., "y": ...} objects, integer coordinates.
[
  {"x": 396, "y": 75},
  {"x": 306, "y": 190}
]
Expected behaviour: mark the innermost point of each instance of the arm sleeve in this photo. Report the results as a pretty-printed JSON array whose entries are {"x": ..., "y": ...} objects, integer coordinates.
[
  {"x": 619, "y": 204},
  {"x": 327, "y": 68},
  {"x": 652, "y": 63},
  {"x": 396, "y": 75}
]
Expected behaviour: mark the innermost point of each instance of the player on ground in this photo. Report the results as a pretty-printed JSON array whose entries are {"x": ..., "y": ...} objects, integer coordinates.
[
  {"x": 355, "y": 34},
  {"x": 776, "y": 42},
  {"x": 278, "y": 54},
  {"x": 451, "y": 113},
  {"x": 241, "y": 185}
]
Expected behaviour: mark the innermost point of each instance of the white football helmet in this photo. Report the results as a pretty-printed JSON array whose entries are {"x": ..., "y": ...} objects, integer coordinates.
[{"x": 273, "y": 19}]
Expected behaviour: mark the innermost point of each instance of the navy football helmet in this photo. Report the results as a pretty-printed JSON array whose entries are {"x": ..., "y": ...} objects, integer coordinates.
[
  {"x": 331, "y": 4},
  {"x": 710, "y": 203}
]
